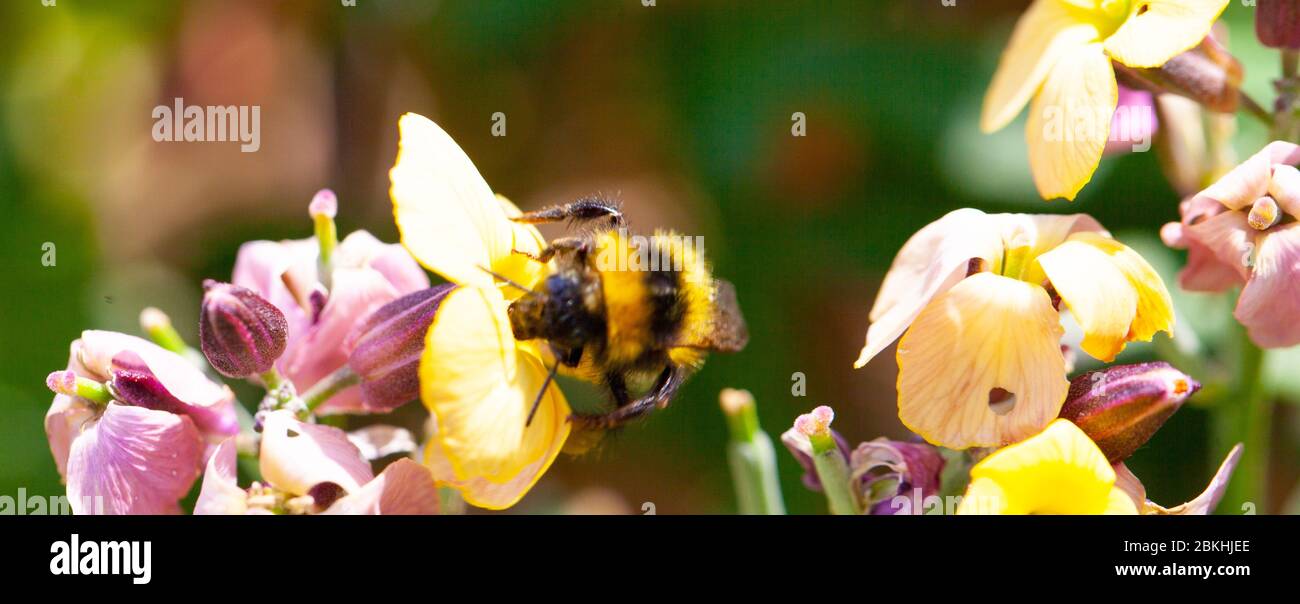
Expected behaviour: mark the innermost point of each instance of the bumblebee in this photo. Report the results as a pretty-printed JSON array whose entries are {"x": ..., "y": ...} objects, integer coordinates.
[{"x": 623, "y": 310}]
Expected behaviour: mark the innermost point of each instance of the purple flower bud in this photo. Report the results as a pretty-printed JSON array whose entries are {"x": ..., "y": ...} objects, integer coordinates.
[
  {"x": 388, "y": 345},
  {"x": 884, "y": 470},
  {"x": 240, "y": 333},
  {"x": 1277, "y": 23},
  {"x": 1121, "y": 407}
]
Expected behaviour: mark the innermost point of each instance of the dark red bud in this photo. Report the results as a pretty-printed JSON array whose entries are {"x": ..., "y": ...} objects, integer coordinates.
[
  {"x": 1121, "y": 407},
  {"x": 241, "y": 334}
]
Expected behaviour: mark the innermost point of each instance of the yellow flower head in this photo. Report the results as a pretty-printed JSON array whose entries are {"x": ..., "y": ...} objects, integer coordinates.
[
  {"x": 1060, "y": 55},
  {"x": 476, "y": 379},
  {"x": 979, "y": 297},
  {"x": 1058, "y": 471}
]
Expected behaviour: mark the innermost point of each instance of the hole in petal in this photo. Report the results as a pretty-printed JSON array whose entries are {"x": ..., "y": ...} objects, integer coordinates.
[
  {"x": 976, "y": 265},
  {"x": 1001, "y": 401},
  {"x": 290, "y": 433},
  {"x": 1142, "y": 9}
]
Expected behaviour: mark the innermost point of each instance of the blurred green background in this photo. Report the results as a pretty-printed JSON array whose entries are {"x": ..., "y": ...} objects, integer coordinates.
[{"x": 682, "y": 111}]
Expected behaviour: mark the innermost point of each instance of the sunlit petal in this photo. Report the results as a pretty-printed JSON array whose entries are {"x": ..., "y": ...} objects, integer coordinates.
[
  {"x": 1269, "y": 305},
  {"x": 1158, "y": 30},
  {"x": 986, "y": 332},
  {"x": 1044, "y": 33},
  {"x": 1069, "y": 121}
]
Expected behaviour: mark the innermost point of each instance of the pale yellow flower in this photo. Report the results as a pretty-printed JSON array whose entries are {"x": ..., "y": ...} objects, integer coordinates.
[
  {"x": 1060, "y": 56},
  {"x": 977, "y": 299},
  {"x": 477, "y": 380}
]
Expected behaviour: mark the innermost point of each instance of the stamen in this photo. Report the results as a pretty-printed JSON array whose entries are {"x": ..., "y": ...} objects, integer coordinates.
[{"x": 1264, "y": 213}]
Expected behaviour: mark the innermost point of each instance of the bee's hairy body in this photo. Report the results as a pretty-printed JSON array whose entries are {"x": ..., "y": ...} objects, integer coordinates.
[{"x": 624, "y": 310}]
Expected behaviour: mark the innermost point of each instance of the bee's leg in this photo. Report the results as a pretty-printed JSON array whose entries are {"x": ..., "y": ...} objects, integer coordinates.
[
  {"x": 582, "y": 210},
  {"x": 665, "y": 387},
  {"x": 579, "y": 245}
]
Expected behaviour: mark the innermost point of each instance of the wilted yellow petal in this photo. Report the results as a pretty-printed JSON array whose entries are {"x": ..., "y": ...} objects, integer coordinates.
[
  {"x": 1155, "y": 309},
  {"x": 1113, "y": 293},
  {"x": 1058, "y": 471},
  {"x": 480, "y": 385},
  {"x": 986, "y": 332},
  {"x": 1069, "y": 121},
  {"x": 932, "y": 260},
  {"x": 1159, "y": 30},
  {"x": 1044, "y": 33},
  {"x": 448, "y": 217}
]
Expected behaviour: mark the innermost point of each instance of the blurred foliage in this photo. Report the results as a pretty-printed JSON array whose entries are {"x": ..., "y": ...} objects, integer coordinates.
[{"x": 682, "y": 110}]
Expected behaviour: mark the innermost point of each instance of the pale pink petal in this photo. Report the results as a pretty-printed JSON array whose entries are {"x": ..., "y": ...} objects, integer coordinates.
[
  {"x": 322, "y": 349},
  {"x": 1249, "y": 181},
  {"x": 220, "y": 493},
  {"x": 1205, "y": 503},
  {"x": 133, "y": 461},
  {"x": 1285, "y": 188},
  {"x": 1269, "y": 305},
  {"x": 296, "y": 455},
  {"x": 1205, "y": 272},
  {"x": 1228, "y": 237},
  {"x": 261, "y": 265},
  {"x": 403, "y": 488},
  {"x": 932, "y": 261},
  {"x": 63, "y": 423}
]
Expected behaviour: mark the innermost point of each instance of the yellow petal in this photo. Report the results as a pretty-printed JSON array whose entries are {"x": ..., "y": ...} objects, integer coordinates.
[
  {"x": 448, "y": 217},
  {"x": 1113, "y": 293},
  {"x": 1069, "y": 121},
  {"x": 520, "y": 267},
  {"x": 1155, "y": 309},
  {"x": 480, "y": 385},
  {"x": 1159, "y": 30},
  {"x": 932, "y": 260},
  {"x": 983, "y": 497},
  {"x": 986, "y": 332},
  {"x": 1058, "y": 471},
  {"x": 1044, "y": 33}
]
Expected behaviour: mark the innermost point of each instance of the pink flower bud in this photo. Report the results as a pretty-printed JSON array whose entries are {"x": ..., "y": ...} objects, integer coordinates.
[
  {"x": 1121, "y": 407},
  {"x": 240, "y": 333}
]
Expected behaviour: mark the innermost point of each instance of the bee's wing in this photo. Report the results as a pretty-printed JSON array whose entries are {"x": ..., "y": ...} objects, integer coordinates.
[
  {"x": 727, "y": 330},
  {"x": 447, "y": 214}
]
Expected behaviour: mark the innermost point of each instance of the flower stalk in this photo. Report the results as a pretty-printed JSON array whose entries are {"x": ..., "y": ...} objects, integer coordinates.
[
  {"x": 751, "y": 456},
  {"x": 329, "y": 386},
  {"x": 1245, "y": 416}
]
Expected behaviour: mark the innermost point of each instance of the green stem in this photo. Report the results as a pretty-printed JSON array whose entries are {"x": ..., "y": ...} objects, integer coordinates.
[
  {"x": 329, "y": 386},
  {"x": 752, "y": 457},
  {"x": 1245, "y": 417},
  {"x": 833, "y": 473},
  {"x": 272, "y": 379}
]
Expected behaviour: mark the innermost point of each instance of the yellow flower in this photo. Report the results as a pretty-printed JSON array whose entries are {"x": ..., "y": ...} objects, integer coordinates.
[
  {"x": 980, "y": 299},
  {"x": 1058, "y": 471},
  {"x": 1060, "y": 55},
  {"x": 476, "y": 379}
]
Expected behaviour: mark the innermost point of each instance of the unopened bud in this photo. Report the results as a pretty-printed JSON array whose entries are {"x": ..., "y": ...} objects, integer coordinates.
[
  {"x": 1277, "y": 23},
  {"x": 1207, "y": 74},
  {"x": 388, "y": 346},
  {"x": 240, "y": 333},
  {"x": 1121, "y": 407}
]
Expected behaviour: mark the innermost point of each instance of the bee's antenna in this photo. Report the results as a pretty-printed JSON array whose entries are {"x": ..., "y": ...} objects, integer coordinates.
[
  {"x": 538, "y": 401},
  {"x": 507, "y": 281}
]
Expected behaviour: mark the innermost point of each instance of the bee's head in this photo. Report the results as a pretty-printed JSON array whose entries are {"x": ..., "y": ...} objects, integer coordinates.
[{"x": 526, "y": 316}]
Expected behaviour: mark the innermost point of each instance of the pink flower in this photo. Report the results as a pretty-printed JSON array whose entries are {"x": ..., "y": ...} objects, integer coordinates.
[
  {"x": 139, "y": 452},
  {"x": 310, "y": 468},
  {"x": 365, "y": 275},
  {"x": 1242, "y": 230}
]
